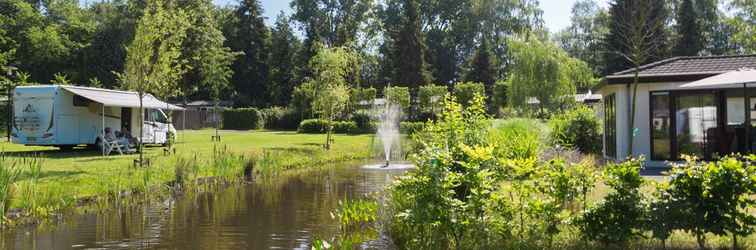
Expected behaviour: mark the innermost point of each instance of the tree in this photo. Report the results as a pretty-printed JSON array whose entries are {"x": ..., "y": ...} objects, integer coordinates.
[
  {"x": 208, "y": 61},
  {"x": 331, "y": 67},
  {"x": 284, "y": 46},
  {"x": 690, "y": 39},
  {"x": 482, "y": 70},
  {"x": 542, "y": 71},
  {"x": 410, "y": 69},
  {"x": 152, "y": 61},
  {"x": 582, "y": 39},
  {"x": 247, "y": 33},
  {"x": 637, "y": 36},
  {"x": 335, "y": 23},
  {"x": 744, "y": 24}
]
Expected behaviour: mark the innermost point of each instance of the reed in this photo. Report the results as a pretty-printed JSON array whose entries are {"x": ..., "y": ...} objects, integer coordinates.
[{"x": 9, "y": 173}]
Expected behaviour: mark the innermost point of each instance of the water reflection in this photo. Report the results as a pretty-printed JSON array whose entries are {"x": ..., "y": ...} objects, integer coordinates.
[{"x": 283, "y": 212}]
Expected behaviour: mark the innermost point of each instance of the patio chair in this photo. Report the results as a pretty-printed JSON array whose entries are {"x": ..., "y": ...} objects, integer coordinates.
[{"x": 111, "y": 143}]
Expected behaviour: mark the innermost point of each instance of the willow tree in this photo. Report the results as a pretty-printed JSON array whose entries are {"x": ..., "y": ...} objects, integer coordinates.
[
  {"x": 152, "y": 61},
  {"x": 329, "y": 85}
]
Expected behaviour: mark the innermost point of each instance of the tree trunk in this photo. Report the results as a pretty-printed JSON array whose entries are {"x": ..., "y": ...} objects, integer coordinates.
[
  {"x": 701, "y": 240},
  {"x": 141, "y": 130},
  {"x": 329, "y": 127},
  {"x": 631, "y": 120}
]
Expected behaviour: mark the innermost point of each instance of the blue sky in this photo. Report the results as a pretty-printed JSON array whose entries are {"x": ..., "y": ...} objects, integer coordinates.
[{"x": 556, "y": 12}]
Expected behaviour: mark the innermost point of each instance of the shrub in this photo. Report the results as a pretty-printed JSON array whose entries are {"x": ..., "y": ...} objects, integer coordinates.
[
  {"x": 242, "y": 119},
  {"x": 619, "y": 217},
  {"x": 280, "y": 118},
  {"x": 578, "y": 128},
  {"x": 430, "y": 96},
  {"x": 410, "y": 128},
  {"x": 464, "y": 91},
  {"x": 714, "y": 198},
  {"x": 398, "y": 95},
  {"x": 363, "y": 122},
  {"x": 499, "y": 96},
  {"x": 358, "y": 95},
  {"x": 518, "y": 138},
  {"x": 318, "y": 126}
]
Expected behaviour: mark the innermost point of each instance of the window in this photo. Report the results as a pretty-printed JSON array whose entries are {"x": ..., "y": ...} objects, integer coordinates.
[
  {"x": 696, "y": 125},
  {"x": 661, "y": 140},
  {"x": 610, "y": 126}
]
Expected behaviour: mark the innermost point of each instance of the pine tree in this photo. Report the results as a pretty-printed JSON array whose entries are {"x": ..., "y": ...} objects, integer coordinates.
[
  {"x": 284, "y": 46},
  {"x": 482, "y": 68},
  {"x": 637, "y": 30},
  {"x": 411, "y": 69},
  {"x": 250, "y": 35},
  {"x": 690, "y": 40}
]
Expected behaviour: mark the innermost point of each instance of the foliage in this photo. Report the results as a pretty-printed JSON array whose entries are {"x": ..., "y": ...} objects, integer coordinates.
[
  {"x": 320, "y": 126},
  {"x": 579, "y": 128},
  {"x": 618, "y": 218},
  {"x": 637, "y": 34},
  {"x": 690, "y": 40},
  {"x": 330, "y": 86},
  {"x": 410, "y": 69},
  {"x": 242, "y": 119},
  {"x": 542, "y": 72},
  {"x": 355, "y": 213},
  {"x": 482, "y": 67},
  {"x": 410, "y": 128},
  {"x": 518, "y": 138},
  {"x": 430, "y": 96},
  {"x": 284, "y": 45},
  {"x": 398, "y": 95},
  {"x": 466, "y": 91},
  {"x": 713, "y": 198},
  {"x": 359, "y": 95},
  {"x": 246, "y": 32},
  {"x": 280, "y": 118},
  {"x": 742, "y": 24},
  {"x": 583, "y": 38},
  {"x": 499, "y": 97},
  {"x": 9, "y": 173},
  {"x": 363, "y": 121}
]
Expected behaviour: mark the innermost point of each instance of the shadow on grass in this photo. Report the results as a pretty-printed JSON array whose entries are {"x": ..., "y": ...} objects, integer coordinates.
[{"x": 298, "y": 150}]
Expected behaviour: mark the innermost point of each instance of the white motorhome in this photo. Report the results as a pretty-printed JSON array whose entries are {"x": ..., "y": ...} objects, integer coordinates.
[{"x": 66, "y": 116}]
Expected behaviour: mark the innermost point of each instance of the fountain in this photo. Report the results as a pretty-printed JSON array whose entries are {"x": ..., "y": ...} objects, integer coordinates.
[{"x": 387, "y": 131}]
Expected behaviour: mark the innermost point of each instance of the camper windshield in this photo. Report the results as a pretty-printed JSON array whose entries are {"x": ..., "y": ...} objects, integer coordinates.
[{"x": 158, "y": 116}]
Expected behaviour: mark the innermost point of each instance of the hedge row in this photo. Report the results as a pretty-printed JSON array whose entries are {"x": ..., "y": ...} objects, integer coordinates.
[
  {"x": 318, "y": 126},
  {"x": 242, "y": 119},
  {"x": 277, "y": 118}
]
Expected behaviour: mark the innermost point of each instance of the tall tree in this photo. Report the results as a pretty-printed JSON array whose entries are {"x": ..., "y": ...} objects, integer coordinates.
[
  {"x": 336, "y": 23},
  {"x": 743, "y": 24},
  {"x": 583, "y": 38},
  {"x": 284, "y": 47},
  {"x": 152, "y": 61},
  {"x": 481, "y": 68},
  {"x": 248, "y": 34},
  {"x": 410, "y": 69},
  {"x": 637, "y": 34},
  {"x": 690, "y": 40},
  {"x": 106, "y": 52},
  {"x": 204, "y": 52}
]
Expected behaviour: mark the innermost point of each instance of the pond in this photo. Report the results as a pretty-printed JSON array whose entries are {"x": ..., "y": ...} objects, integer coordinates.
[{"x": 283, "y": 212}]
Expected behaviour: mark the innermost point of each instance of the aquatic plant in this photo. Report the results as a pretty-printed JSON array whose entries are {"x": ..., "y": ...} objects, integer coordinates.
[
  {"x": 355, "y": 213},
  {"x": 9, "y": 173}
]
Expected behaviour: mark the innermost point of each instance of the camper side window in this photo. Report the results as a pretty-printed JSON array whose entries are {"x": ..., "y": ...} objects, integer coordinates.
[
  {"x": 79, "y": 101},
  {"x": 159, "y": 116}
]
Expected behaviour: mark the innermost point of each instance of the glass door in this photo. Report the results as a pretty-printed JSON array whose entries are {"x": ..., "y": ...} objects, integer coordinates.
[{"x": 696, "y": 125}]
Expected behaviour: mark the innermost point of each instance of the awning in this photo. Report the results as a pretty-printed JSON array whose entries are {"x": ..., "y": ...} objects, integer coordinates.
[
  {"x": 734, "y": 78},
  {"x": 115, "y": 98}
]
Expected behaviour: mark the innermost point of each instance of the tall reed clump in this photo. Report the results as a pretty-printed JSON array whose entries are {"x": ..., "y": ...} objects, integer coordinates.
[
  {"x": 356, "y": 224},
  {"x": 225, "y": 163},
  {"x": 185, "y": 170},
  {"x": 9, "y": 173}
]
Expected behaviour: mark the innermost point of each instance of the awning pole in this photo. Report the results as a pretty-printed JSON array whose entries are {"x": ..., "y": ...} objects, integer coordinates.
[
  {"x": 747, "y": 124},
  {"x": 102, "y": 140}
]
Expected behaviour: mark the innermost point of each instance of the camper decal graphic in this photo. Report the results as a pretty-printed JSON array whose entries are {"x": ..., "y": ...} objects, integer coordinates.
[{"x": 29, "y": 109}]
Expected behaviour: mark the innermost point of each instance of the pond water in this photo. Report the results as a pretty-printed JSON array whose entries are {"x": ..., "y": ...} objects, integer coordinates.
[{"x": 285, "y": 212}]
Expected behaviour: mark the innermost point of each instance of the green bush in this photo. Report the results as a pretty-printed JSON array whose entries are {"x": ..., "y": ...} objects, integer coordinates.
[
  {"x": 279, "y": 118},
  {"x": 319, "y": 126},
  {"x": 577, "y": 128},
  {"x": 363, "y": 121},
  {"x": 499, "y": 96},
  {"x": 242, "y": 119},
  {"x": 619, "y": 217},
  {"x": 358, "y": 95},
  {"x": 410, "y": 128},
  {"x": 398, "y": 95},
  {"x": 518, "y": 138},
  {"x": 712, "y": 198},
  {"x": 464, "y": 91},
  {"x": 430, "y": 97}
]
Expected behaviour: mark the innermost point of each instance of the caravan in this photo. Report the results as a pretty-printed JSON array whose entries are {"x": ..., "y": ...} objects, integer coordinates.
[{"x": 67, "y": 116}]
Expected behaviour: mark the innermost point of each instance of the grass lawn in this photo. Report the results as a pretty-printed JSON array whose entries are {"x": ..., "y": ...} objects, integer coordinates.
[{"x": 85, "y": 173}]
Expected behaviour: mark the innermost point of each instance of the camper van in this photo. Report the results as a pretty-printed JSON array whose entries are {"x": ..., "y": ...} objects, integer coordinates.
[{"x": 66, "y": 116}]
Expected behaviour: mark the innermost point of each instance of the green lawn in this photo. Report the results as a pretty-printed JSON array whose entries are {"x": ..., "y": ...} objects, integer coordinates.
[{"x": 85, "y": 173}]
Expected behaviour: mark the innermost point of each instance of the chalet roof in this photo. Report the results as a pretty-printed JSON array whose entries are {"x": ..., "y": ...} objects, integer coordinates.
[{"x": 686, "y": 68}]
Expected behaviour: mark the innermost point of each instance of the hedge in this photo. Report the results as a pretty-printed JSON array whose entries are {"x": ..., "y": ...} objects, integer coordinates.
[
  {"x": 398, "y": 95},
  {"x": 410, "y": 128},
  {"x": 278, "y": 118},
  {"x": 430, "y": 96},
  {"x": 465, "y": 91},
  {"x": 242, "y": 119},
  {"x": 318, "y": 126}
]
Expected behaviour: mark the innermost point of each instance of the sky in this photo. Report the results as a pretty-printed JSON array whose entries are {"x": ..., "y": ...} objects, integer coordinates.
[{"x": 556, "y": 12}]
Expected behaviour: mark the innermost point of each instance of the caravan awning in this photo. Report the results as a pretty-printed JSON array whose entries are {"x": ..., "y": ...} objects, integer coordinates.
[{"x": 115, "y": 98}]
